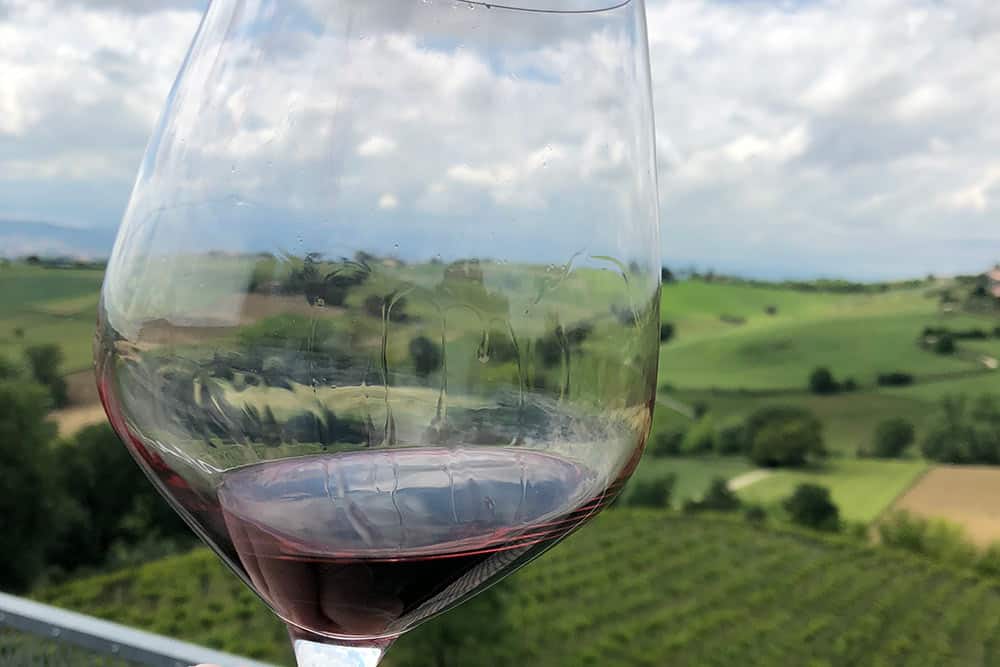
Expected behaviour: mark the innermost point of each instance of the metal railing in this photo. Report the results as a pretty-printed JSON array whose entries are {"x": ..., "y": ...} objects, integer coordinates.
[{"x": 68, "y": 638}]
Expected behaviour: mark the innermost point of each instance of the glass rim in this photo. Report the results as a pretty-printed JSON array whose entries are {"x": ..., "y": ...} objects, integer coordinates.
[{"x": 553, "y": 6}]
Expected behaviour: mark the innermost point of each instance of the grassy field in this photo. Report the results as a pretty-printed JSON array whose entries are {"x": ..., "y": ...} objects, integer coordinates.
[
  {"x": 41, "y": 305},
  {"x": 855, "y": 335},
  {"x": 633, "y": 588},
  {"x": 860, "y": 488}
]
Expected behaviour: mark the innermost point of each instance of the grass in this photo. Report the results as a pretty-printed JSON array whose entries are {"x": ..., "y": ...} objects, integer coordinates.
[
  {"x": 40, "y": 305},
  {"x": 778, "y": 357},
  {"x": 861, "y": 488},
  {"x": 632, "y": 589},
  {"x": 693, "y": 475}
]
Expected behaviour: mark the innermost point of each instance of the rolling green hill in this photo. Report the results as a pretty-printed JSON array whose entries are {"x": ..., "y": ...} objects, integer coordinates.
[
  {"x": 633, "y": 588},
  {"x": 726, "y": 339}
]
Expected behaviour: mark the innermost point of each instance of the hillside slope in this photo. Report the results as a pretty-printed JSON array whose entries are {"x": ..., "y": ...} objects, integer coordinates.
[{"x": 634, "y": 588}]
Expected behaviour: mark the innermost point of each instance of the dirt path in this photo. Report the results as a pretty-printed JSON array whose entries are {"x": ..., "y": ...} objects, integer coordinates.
[
  {"x": 71, "y": 420},
  {"x": 747, "y": 478}
]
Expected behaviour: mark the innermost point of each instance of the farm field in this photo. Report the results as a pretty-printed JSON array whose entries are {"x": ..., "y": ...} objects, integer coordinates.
[
  {"x": 861, "y": 488},
  {"x": 42, "y": 305},
  {"x": 966, "y": 495},
  {"x": 633, "y": 588}
]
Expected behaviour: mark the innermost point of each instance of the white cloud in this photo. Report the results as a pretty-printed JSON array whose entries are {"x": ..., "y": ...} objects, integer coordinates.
[
  {"x": 388, "y": 202},
  {"x": 783, "y": 128},
  {"x": 977, "y": 197},
  {"x": 376, "y": 146}
]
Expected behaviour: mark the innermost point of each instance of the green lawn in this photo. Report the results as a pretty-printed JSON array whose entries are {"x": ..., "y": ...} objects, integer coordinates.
[
  {"x": 40, "y": 305},
  {"x": 782, "y": 356},
  {"x": 861, "y": 488},
  {"x": 23, "y": 285},
  {"x": 693, "y": 475}
]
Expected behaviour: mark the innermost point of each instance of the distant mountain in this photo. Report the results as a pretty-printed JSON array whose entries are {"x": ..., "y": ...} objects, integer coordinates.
[{"x": 19, "y": 238}]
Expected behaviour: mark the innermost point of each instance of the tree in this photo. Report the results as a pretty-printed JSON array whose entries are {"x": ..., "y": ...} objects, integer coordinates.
[
  {"x": 782, "y": 435},
  {"x": 28, "y": 500},
  {"x": 426, "y": 356},
  {"x": 652, "y": 492},
  {"x": 666, "y": 275},
  {"x": 945, "y": 344},
  {"x": 8, "y": 370},
  {"x": 666, "y": 332},
  {"x": 964, "y": 433},
  {"x": 108, "y": 501},
  {"x": 821, "y": 381},
  {"x": 44, "y": 360},
  {"x": 731, "y": 439},
  {"x": 718, "y": 498},
  {"x": 894, "y": 379},
  {"x": 700, "y": 438},
  {"x": 810, "y": 506},
  {"x": 667, "y": 443},
  {"x": 892, "y": 437}
]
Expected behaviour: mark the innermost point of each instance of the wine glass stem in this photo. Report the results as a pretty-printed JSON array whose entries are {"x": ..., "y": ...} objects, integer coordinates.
[
  {"x": 316, "y": 654},
  {"x": 314, "y": 651}
]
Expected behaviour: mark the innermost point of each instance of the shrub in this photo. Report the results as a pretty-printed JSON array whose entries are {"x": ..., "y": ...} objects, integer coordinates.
[
  {"x": 731, "y": 439},
  {"x": 109, "y": 501},
  {"x": 784, "y": 436},
  {"x": 935, "y": 538},
  {"x": 29, "y": 502},
  {"x": 700, "y": 438},
  {"x": 666, "y": 332},
  {"x": 894, "y": 379},
  {"x": 755, "y": 514},
  {"x": 945, "y": 344},
  {"x": 821, "y": 381},
  {"x": 810, "y": 506},
  {"x": 849, "y": 385},
  {"x": 718, "y": 498},
  {"x": 989, "y": 560},
  {"x": 667, "y": 443},
  {"x": 963, "y": 434},
  {"x": 652, "y": 492},
  {"x": 8, "y": 370},
  {"x": 44, "y": 361},
  {"x": 892, "y": 437}
]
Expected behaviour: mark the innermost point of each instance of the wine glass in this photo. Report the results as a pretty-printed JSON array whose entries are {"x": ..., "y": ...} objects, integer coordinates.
[{"x": 382, "y": 318}]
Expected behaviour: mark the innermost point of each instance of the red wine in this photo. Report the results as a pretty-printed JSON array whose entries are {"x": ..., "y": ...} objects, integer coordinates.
[{"x": 366, "y": 544}]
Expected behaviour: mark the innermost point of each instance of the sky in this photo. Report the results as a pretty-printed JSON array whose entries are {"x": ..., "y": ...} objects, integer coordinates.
[{"x": 849, "y": 138}]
